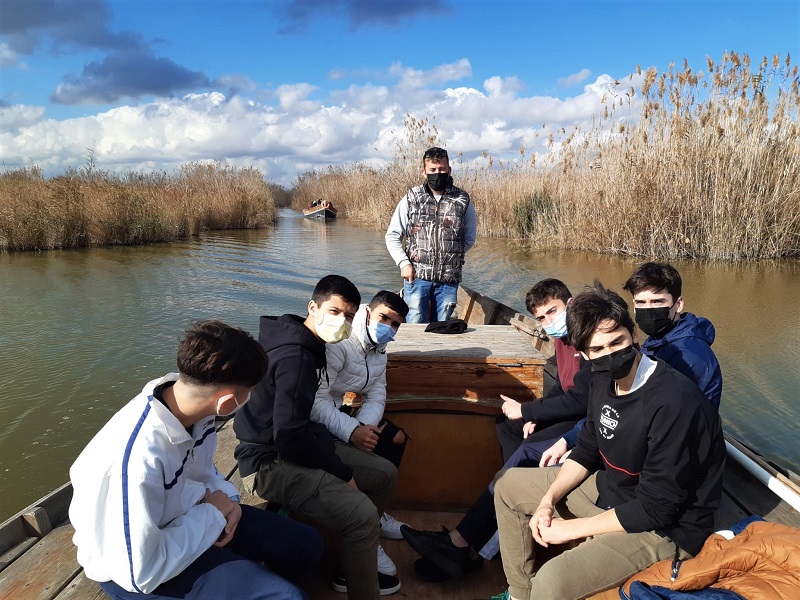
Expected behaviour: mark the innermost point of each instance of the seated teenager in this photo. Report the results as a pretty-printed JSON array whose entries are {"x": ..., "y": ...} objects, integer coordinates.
[
  {"x": 152, "y": 515},
  {"x": 288, "y": 458},
  {"x": 452, "y": 552},
  {"x": 642, "y": 484},
  {"x": 358, "y": 364}
]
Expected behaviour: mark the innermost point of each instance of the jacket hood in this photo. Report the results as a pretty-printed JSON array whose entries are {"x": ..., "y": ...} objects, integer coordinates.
[
  {"x": 360, "y": 335},
  {"x": 688, "y": 326},
  {"x": 275, "y": 332}
]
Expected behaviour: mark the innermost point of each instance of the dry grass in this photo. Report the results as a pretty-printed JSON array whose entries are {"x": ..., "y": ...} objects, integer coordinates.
[
  {"x": 95, "y": 208},
  {"x": 699, "y": 165}
]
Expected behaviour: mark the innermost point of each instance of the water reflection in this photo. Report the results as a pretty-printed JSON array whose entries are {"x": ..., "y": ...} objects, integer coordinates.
[{"x": 82, "y": 331}]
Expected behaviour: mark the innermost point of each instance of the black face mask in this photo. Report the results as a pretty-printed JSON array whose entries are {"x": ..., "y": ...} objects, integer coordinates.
[
  {"x": 654, "y": 321},
  {"x": 439, "y": 181},
  {"x": 615, "y": 365}
]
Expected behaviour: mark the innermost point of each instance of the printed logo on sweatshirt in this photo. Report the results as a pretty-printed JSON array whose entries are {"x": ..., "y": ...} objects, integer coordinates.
[{"x": 609, "y": 419}]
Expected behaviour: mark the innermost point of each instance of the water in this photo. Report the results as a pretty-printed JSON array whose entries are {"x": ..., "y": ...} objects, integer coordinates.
[{"x": 82, "y": 331}]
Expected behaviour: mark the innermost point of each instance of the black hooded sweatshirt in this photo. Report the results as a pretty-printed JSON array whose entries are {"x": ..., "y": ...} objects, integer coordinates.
[{"x": 277, "y": 419}]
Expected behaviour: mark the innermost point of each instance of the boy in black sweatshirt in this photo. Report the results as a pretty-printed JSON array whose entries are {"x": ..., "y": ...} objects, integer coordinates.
[
  {"x": 287, "y": 458},
  {"x": 660, "y": 443}
]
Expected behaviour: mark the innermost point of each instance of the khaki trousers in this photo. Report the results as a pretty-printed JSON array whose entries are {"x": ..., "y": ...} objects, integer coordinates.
[
  {"x": 332, "y": 503},
  {"x": 596, "y": 564}
]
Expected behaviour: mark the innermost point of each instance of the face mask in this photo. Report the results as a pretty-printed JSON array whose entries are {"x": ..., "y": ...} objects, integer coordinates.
[
  {"x": 235, "y": 410},
  {"x": 615, "y": 365},
  {"x": 558, "y": 328},
  {"x": 438, "y": 181},
  {"x": 653, "y": 321},
  {"x": 332, "y": 329},
  {"x": 380, "y": 333}
]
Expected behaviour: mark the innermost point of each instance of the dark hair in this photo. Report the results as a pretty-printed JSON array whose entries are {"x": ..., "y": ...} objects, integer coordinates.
[
  {"x": 592, "y": 307},
  {"x": 544, "y": 291},
  {"x": 213, "y": 353},
  {"x": 390, "y": 299},
  {"x": 655, "y": 275},
  {"x": 335, "y": 285},
  {"x": 435, "y": 154}
]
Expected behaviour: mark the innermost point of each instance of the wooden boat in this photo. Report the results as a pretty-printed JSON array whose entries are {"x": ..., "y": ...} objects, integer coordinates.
[
  {"x": 443, "y": 390},
  {"x": 320, "y": 210}
]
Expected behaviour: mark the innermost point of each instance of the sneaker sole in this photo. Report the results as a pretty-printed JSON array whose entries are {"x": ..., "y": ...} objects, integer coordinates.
[
  {"x": 452, "y": 568},
  {"x": 342, "y": 589},
  {"x": 391, "y": 590},
  {"x": 338, "y": 588}
]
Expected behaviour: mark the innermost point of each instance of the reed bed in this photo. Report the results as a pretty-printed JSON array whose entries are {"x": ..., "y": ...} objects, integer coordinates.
[
  {"x": 693, "y": 164},
  {"x": 95, "y": 208}
]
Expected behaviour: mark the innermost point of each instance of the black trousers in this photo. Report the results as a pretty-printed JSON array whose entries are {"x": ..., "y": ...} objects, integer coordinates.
[{"x": 509, "y": 433}]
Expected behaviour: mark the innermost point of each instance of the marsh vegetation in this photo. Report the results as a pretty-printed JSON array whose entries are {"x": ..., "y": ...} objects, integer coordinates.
[{"x": 694, "y": 164}]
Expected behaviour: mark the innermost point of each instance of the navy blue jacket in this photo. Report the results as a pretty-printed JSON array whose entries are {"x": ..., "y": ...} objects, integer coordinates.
[{"x": 687, "y": 348}]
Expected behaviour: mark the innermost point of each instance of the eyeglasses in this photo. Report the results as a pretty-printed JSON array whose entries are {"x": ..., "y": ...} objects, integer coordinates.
[{"x": 435, "y": 153}]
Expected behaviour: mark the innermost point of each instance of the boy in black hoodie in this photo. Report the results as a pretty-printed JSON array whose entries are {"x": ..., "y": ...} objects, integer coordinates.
[
  {"x": 642, "y": 484},
  {"x": 287, "y": 458}
]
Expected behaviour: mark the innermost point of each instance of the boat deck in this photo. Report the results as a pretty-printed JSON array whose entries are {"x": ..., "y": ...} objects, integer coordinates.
[{"x": 38, "y": 560}]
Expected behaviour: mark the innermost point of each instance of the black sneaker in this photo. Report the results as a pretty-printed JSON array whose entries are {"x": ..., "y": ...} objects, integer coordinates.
[
  {"x": 427, "y": 571},
  {"x": 388, "y": 584},
  {"x": 437, "y": 548}
]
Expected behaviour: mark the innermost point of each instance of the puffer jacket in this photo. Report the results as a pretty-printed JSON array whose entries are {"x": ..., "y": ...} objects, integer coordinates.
[
  {"x": 761, "y": 563},
  {"x": 358, "y": 365}
]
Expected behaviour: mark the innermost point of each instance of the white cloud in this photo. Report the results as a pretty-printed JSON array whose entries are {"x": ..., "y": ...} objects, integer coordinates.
[
  {"x": 7, "y": 56},
  {"x": 295, "y": 128},
  {"x": 575, "y": 78}
]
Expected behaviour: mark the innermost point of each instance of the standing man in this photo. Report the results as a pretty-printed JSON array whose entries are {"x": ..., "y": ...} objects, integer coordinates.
[
  {"x": 438, "y": 223},
  {"x": 288, "y": 458},
  {"x": 642, "y": 484}
]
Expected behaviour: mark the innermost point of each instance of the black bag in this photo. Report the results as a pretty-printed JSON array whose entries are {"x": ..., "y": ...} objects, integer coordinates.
[{"x": 451, "y": 326}]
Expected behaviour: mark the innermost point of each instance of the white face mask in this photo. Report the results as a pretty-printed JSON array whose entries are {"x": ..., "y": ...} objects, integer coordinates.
[
  {"x": 238, "y": 406},
  {"x": 332, "y": 328}
]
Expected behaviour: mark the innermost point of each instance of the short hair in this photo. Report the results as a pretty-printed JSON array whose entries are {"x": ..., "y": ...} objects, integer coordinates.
[
  {"x": 655, "y": 275},
  {"x": 592, "y": 307},
  {"x": 435, "y": 154},
  {"x": 336, "y": 285},
  {"x": 390, "y": 299},
  {"x": 212, "y": 353},
  {"x": 546, "y": 290}
]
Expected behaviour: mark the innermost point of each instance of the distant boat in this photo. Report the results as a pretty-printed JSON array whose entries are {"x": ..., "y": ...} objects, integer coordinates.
[{"x": 320, "y": 210}]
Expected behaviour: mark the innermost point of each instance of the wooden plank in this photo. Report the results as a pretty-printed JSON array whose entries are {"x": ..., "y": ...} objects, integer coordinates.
[
  {"x": 82, "y": 588},
  {"x": 44, "y": 570},
  {"x": 488, "y": 343},
  {"x": 226, "y": 444},
  {"x": 754, "y": 498},
  {"x": 38, "y": 521},
  {"x": 728, "y": 514},
  {"x": 13, "y": 532},
  {"x": 12, "y": 554},
  {"x": 446, "y": 464}
]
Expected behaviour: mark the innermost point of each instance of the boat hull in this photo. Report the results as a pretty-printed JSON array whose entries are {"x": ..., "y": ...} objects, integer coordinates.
[{"x": 320, "y": 214}]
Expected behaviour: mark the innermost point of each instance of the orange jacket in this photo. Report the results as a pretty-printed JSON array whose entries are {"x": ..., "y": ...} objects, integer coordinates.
[{"x": 761, "y": 563}]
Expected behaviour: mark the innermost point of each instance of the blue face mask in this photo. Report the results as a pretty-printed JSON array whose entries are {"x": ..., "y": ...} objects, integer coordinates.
[
  {"x": 558, "y": 328},
  {"x": 381, "y": 333}
]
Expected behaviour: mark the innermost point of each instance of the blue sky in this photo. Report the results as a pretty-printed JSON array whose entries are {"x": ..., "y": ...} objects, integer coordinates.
[{"x": 288, "y": 86}]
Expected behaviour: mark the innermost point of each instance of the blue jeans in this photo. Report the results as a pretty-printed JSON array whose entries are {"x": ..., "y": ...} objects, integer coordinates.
[
  {"x": 291, "y": 549},
  {"x": 429, "y": 298}
]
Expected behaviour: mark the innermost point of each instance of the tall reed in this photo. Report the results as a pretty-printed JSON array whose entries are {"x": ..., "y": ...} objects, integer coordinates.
[
  {"x": 695, "y": 164},
  {"x": 94, "y": 208}
]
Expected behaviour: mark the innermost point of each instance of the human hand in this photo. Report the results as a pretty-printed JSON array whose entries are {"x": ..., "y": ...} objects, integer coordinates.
[
  {"x": 527, "y": 429},
  {"x": 555, "y": 454},
  {"x": 511, "y": 408},
  {"x": 229, "y": 509},
  {"x": 352, "y": 483},
  {"x": 541, "y": 518},
  {"x": 558, "y": 531},
  {"x": 365, "y": 437},
  {"x": 408, "y": 273}
]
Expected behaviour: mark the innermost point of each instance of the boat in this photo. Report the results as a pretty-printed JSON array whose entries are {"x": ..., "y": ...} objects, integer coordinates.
[
  {"x": 438, "y": 389},
  {"x": 320, "y": 210}
]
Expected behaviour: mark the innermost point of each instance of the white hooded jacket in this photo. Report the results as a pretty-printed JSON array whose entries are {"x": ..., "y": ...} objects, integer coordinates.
[
  {"x": 137, "y": 490},
  {"x": 358, "y": 365}
]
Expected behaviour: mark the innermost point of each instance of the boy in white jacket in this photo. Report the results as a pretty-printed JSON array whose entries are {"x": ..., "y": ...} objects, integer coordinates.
[
  {"x": 152, "y": 515},
  {"x": 358, "y": 364}
]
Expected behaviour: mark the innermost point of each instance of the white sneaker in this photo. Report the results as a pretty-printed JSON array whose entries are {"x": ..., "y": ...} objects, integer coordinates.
[
  {"x": 390, "y": 527},
  {"x": 385, "y": 564}
]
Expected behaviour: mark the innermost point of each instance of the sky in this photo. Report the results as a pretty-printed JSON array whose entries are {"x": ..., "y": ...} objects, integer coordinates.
[{"x": 289, "y": 86}]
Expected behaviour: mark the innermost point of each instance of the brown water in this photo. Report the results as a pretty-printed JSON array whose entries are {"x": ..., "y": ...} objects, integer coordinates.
[{"x": 82, "y": 331}]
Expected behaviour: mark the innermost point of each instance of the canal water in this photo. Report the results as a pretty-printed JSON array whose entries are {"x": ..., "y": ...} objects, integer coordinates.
[{"x": 82, "y": 331}]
